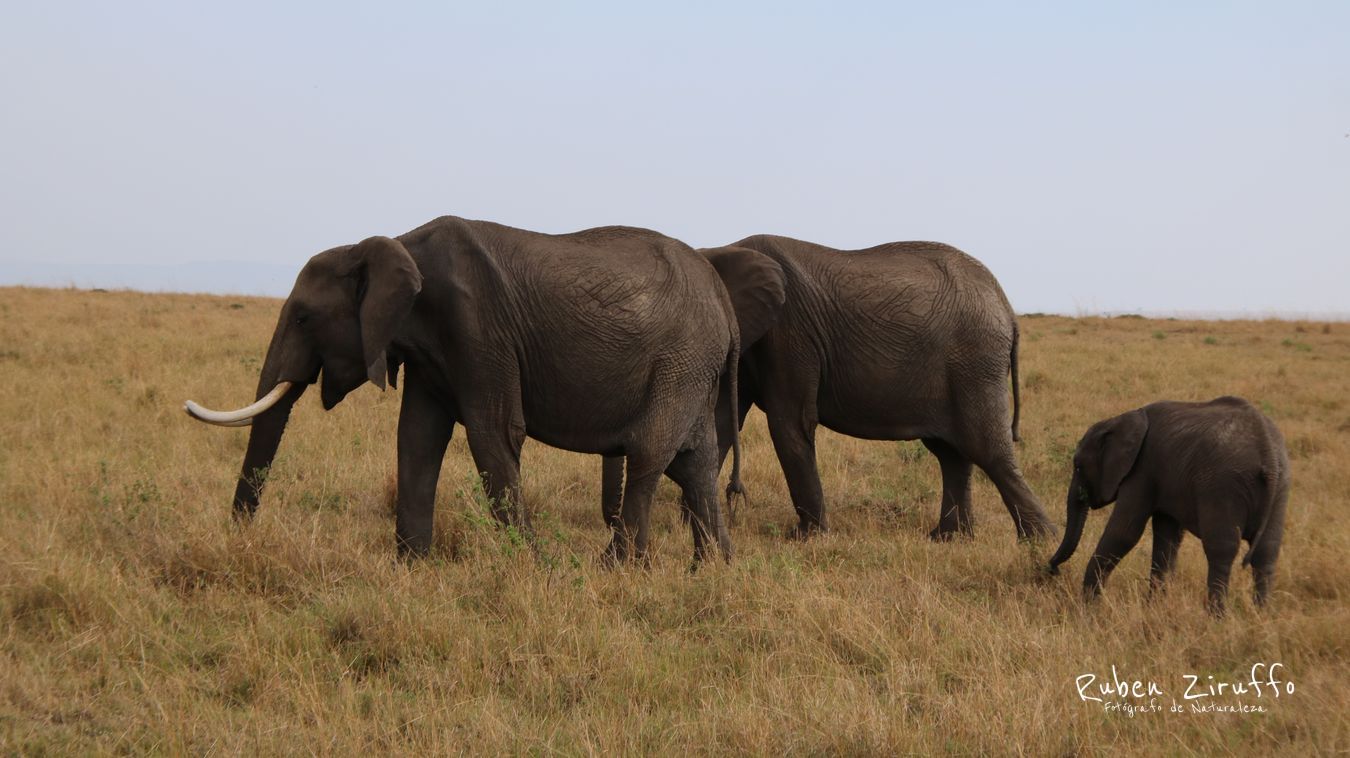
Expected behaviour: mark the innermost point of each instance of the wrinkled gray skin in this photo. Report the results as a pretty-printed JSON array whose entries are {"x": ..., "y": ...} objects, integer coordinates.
[
  {"x": 616, "y": 341},
  {"x": 907, "y": 340},
  {"x": 1218, "y": 470},
  {"x": 756, "y": 285}
]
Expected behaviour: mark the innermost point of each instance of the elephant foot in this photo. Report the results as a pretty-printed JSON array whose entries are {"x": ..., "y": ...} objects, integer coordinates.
[
  {"x": 617, "y": 555},
  {"x": 242, "y": 513},
  {"x": 408, "y": 553},
  {"x": 710, "y": 553},
  {"x": 942, "y": 533},
  {"x": 1034, "y": 531},
  {"x": 803, "y": 532},
  {"x": 1091, "y": 592},
  {"x": 1216, "y": 607}
]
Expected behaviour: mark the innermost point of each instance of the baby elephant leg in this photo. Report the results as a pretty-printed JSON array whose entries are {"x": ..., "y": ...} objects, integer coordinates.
[
  {"x": 1221, "y": 548},
  {"x": 1122, "y": 533},
  {"x": 1266, "y": 551},
  {"x": 1263, "y": 568},
  {"x": 1166, "y": 540}
]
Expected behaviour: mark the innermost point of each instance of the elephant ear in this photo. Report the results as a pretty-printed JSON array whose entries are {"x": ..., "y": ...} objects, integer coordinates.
[
  {"x": 1121, "y": 438},
  {"x": 387, "y": 282},
  {"x": 756, "y": 285}
]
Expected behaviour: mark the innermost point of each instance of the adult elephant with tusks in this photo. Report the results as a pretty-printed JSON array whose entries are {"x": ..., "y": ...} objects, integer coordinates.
[
  {"x": 907, "y": 340},
  {"x": 614, "y": 340}
]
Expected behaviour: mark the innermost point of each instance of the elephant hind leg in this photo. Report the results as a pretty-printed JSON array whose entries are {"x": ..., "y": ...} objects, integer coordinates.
[
  {"x": 1264, "y": 578},
  {"x": 496, "y": 455},
  {"x": 1263, "y": 567},
  {"x": 1220, "y": 551},
  {"x": 695, "y": 471},
  {"x": 1028, "y": 515},
  {"x": 1267, "y": 550},
  {"x": 632, "y": 529},
  {"x": 611, "y": 489},
  {"x": 956, "y": 516}
]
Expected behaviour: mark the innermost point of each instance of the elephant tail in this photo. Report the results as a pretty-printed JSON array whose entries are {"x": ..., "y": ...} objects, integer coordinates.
[
  {"x": 731, "y": 377},
  {"x": 1261, "y": 530},
  {"x": 1017, "y": 392},
  {"x": 1275, "y": 480}
]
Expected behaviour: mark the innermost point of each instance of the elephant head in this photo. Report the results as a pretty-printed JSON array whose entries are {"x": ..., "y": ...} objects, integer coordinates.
[
  {"x": 755, "y": 284},
  {"x": 337, "y": 322},
  {"x": 1104, "y": 457}
]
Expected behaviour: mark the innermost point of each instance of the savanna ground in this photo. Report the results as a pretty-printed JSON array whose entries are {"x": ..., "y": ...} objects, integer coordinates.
[{"x": 136, "y": 617}]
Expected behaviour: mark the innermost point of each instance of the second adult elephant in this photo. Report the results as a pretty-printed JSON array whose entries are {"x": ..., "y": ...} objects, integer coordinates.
[
  {"x": 757, "y": 288},
  {"x": 902, "y": 341}
]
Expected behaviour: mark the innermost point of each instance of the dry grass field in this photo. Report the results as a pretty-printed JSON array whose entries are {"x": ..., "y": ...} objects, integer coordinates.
[{"x": 135, "y": 617}]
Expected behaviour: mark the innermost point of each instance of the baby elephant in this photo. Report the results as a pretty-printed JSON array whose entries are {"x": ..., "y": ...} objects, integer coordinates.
[{"x": 1218, "y": 469}]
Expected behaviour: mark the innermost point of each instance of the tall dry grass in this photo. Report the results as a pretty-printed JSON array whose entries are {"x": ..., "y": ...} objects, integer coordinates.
[{"x": 135, "y": 617}]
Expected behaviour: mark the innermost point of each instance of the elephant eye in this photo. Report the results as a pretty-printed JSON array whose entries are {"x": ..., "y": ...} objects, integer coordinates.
[{"x": 301, "y": 319}]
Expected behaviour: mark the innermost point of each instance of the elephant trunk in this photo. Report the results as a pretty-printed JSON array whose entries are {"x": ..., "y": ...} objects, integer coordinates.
[
  {"x": 1077, "y": 511},
  {"x": 287, "y": 371},
  {"x": 264, "y": 438}
]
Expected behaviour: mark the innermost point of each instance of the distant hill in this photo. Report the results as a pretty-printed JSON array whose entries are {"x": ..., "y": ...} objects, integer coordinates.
[{"x": 214, "y": 277}]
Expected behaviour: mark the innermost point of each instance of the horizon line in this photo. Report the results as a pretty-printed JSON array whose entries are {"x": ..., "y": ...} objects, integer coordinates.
[{"x": 1164, "y": 314}]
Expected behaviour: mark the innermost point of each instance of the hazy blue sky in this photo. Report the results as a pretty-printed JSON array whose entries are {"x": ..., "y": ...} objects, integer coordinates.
[{"x": 1155, "y": 156}]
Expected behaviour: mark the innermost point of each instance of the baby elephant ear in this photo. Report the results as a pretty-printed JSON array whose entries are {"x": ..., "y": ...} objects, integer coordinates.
[
  {"x": 388, "y": 281},
  {"x": 756, "y": 285},
  {"x": 1121, "y": 440}
]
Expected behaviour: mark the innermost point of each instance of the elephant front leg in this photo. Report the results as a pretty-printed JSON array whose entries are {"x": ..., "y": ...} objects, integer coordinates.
[
  {"x": 1166, "y": 540},
  {"x": 795, "y": 445},
  {"x": 424, "y": 429},
  {"x": 1122, "y": 533}
]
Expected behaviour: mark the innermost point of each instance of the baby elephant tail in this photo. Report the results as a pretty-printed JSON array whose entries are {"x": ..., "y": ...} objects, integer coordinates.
[
  {"x": 1275, "y": 485},
  {"x": 1247, "y": 558}
]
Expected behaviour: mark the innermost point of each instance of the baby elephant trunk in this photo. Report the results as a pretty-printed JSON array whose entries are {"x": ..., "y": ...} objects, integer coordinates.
[{"x": 1077, "y": 517}]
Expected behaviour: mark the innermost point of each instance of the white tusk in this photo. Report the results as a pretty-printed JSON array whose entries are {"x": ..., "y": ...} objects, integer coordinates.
[{"x": 241, "y": 417}]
